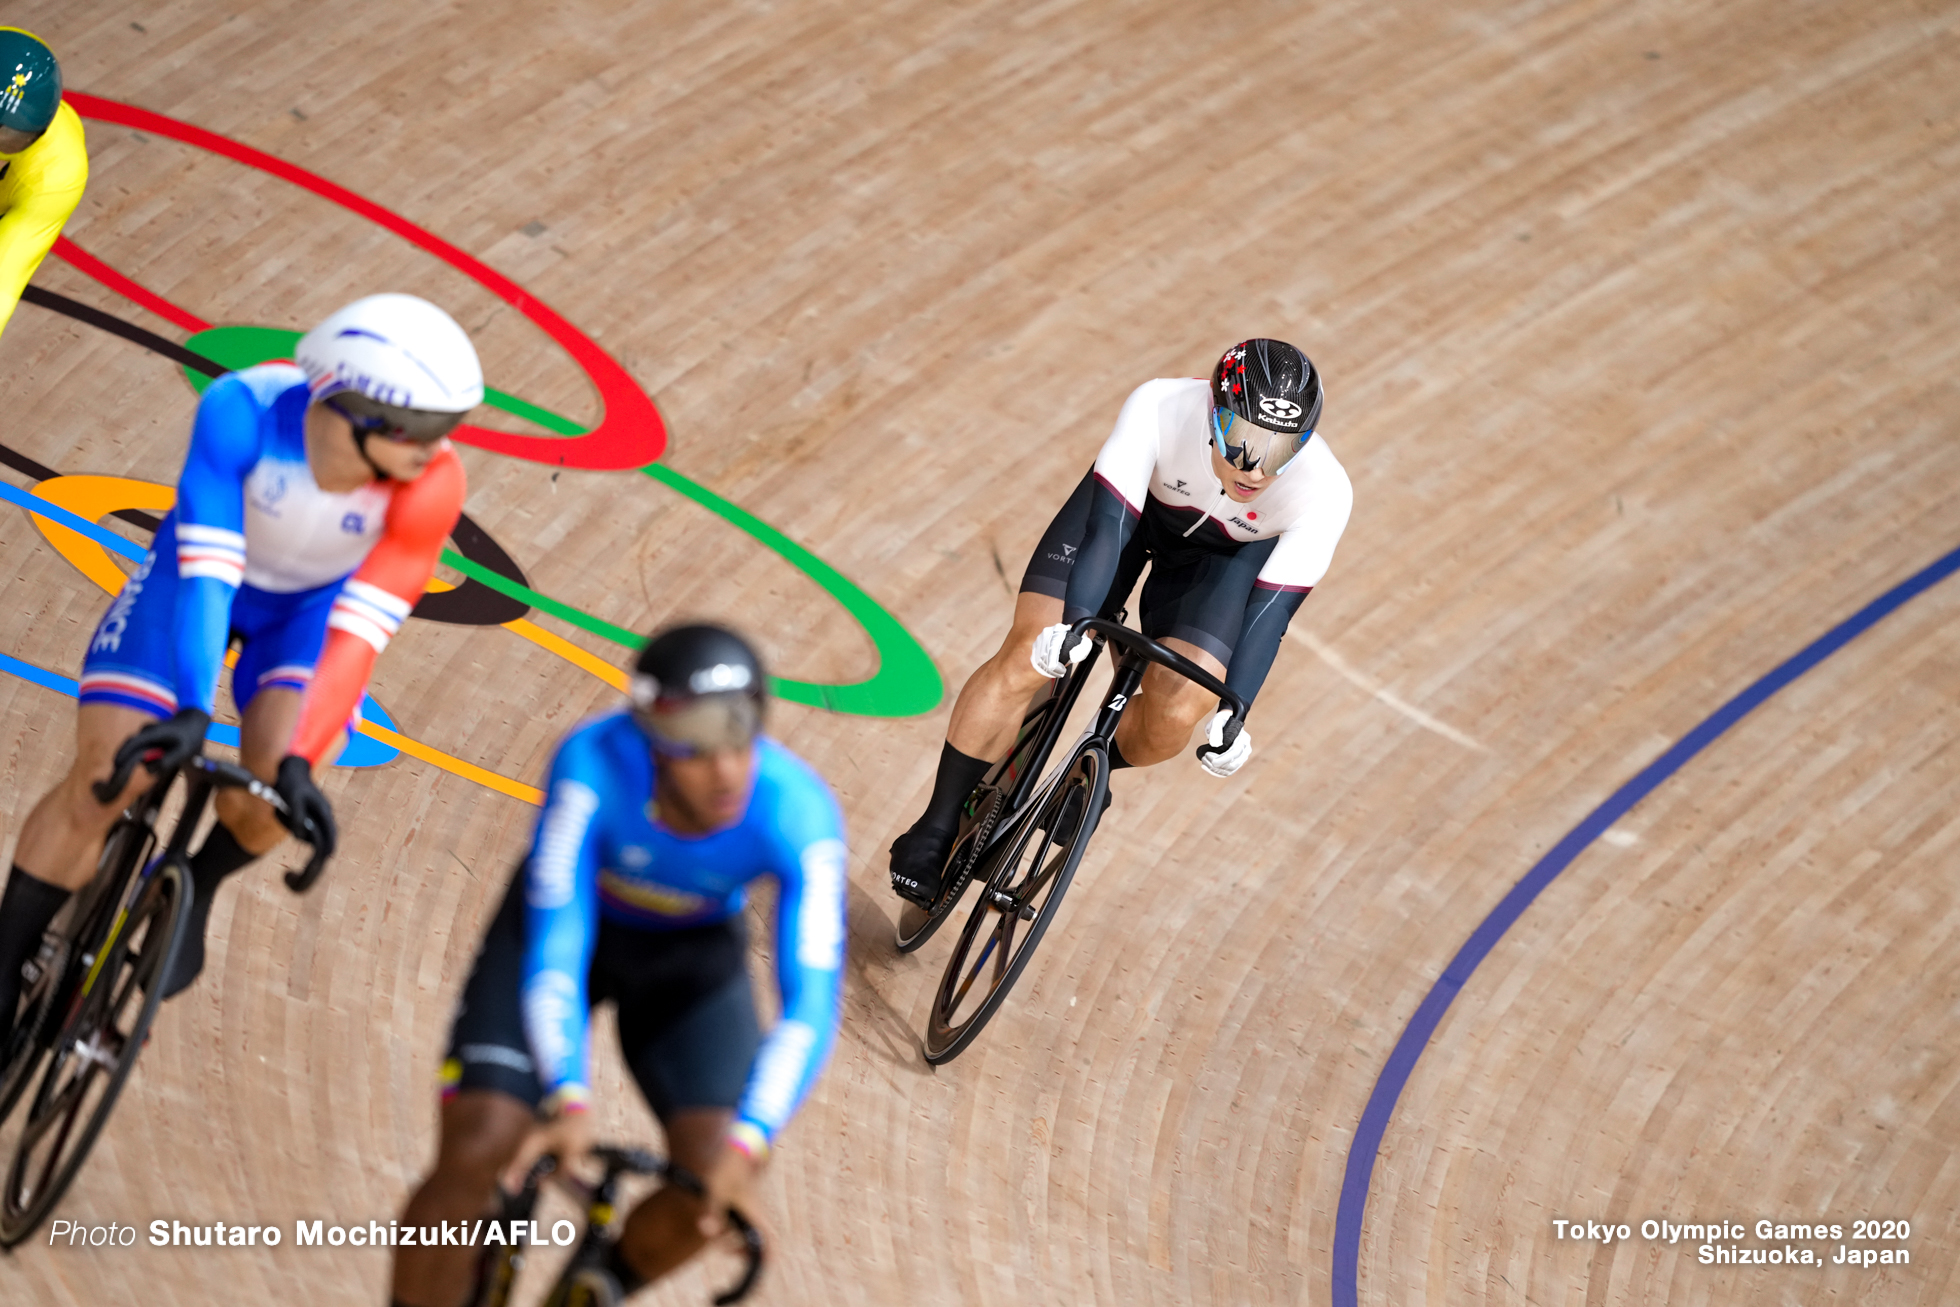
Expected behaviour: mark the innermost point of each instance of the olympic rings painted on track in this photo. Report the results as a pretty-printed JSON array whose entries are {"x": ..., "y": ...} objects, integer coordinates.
[
  {"x": 906, "y": 682},
  {"x": 63, "y": 509},
  {"x": 630, "y": 435}
]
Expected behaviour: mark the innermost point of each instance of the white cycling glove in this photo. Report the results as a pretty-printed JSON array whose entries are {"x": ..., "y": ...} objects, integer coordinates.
[
  {"x": 1224, "y": 764},
  {"x": 1048, "y": 658}
]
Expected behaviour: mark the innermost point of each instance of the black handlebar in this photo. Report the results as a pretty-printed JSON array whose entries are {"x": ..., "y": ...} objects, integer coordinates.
[
  {"x": 751, "y": 1256},
  {"x": 230, "y": 776},
  {"x": 1139, "y": 643},
  {"x": 224, "y": 775},
  {"x": 637, "y": 1161}
]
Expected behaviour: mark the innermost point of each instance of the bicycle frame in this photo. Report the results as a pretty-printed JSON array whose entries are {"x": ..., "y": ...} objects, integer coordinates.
[
  {"x": 1139, "y": 651},
  {"x": 75, "y": 987},
  {"x": 202, "y": 777}
]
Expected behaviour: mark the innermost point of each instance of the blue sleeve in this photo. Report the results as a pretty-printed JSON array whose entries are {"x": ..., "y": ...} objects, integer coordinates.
[
  {"x": 210, "y": 517},
  {"x": 561, "y": 921},
  {"x": 809, "y": 835}
]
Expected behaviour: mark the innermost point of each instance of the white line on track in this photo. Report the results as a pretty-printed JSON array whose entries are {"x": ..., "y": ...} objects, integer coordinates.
[{"x": 1382, "y": 692}]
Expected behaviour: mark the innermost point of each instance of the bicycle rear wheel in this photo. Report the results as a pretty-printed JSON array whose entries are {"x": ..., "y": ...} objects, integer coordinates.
[
  {"x": 95, "y": 1048},
  {"x": 916, "y": 925},
  {"x": 984, "y": 809},
  {"x": 1027, "y": 873}
]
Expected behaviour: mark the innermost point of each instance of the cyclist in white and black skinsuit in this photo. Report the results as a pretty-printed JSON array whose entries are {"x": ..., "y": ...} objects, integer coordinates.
[{"x": 1225, "y": 488}]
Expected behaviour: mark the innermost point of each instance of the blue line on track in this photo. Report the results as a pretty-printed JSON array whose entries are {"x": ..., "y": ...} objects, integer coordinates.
[
  {"x": 73, "y": 521},
  {"x": 219, "y": 733},
  {"x": 361, "y": 750},
  {"x": 1401, "y": 1062}
]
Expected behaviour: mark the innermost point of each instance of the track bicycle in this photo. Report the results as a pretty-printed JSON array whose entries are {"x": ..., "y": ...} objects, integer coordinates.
[
  {"x": 585, "y": 1281},
  {"x": 1023, "y": 832},
  {"x": 93, "y": 988}
]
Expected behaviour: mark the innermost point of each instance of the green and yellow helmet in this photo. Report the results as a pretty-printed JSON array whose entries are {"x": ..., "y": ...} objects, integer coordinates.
[{"x": 30, "y": 82}]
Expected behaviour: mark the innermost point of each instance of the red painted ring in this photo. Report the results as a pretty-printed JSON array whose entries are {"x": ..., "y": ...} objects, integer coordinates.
[{"x": 631, "y": 435}]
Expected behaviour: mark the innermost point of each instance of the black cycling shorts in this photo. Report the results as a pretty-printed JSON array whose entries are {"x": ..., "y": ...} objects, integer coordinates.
[
  {"x": 1196, "y": 593},
  {"x": 687, "y": 1024}
]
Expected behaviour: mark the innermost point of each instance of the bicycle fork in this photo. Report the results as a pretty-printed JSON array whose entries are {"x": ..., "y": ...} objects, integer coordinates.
[{"x": 197, "y": 794}]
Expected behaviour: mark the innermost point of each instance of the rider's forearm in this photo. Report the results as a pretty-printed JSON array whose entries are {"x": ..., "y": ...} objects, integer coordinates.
[
  {"x": 203, "y": 623},
  {"x": 556, "y": 1028},
  {"x": 1267, "y": 613},
  {"x": 788, "y": 1065},
  {"x": 27, "y": 233},
  {"x": 338, "y": 679},
  {"x": 810, "y": 935}
]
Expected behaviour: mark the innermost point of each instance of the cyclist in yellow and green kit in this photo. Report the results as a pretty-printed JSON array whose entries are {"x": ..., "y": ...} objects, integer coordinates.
[{"x": 43, "y": 163}]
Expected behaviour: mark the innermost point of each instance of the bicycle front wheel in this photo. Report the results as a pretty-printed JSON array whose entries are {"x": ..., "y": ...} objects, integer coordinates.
[
  {"x": 1025, "y": 878},
  {"x": 94, "y": 1050},
  {"x": 47, "y": 1000}
]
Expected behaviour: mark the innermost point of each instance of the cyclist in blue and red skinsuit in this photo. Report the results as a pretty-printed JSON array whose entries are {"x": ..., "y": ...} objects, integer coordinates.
[
  {"x": 657, "y": 818},
  {"x": 312, "y": 506}
]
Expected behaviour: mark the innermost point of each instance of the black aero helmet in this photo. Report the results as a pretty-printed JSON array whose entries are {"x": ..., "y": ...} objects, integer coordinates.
[
  {"x": 698, "y": 688},
  {"x": 1262, "y": 389}
]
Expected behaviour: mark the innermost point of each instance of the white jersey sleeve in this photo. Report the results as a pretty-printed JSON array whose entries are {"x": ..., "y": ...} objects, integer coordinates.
[
  {"x": 1305, "y": 548},
  {"x": 1129, "y": 456}
]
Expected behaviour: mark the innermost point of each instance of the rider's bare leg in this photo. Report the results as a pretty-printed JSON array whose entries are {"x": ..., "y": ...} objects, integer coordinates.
[
  {"x": 989, "y": 711},
  {"x": 61, "y": 841},
  {"x": 664, "y": 1231},
  {"x": 246, "y": 829},
  {"x": 62, "y": 837},
  {"x": 265, "y": 734},
  {"x": 996, "y": 696},
  {"x": 481, "y": 1132}
]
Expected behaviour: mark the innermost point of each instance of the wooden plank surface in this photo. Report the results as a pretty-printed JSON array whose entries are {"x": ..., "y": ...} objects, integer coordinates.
[{"x": 1640, "y": 342}]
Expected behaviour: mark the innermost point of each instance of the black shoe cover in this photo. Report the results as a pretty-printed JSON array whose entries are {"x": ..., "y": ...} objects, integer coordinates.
[
  {"x": 918, "y": 862},
  {"x": 190, "y": 949},
  {"x": 1069, "y": 819}
]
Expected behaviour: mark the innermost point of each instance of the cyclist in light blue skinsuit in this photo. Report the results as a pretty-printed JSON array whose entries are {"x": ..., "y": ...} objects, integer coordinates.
[{"x": 657, "y": 818}]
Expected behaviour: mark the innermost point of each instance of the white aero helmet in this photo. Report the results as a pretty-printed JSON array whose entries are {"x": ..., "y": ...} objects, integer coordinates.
[{"x": 394, "y": 365}]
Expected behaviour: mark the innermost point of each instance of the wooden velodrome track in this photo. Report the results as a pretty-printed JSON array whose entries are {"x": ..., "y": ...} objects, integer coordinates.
[{"x": 1638, "y": 323}]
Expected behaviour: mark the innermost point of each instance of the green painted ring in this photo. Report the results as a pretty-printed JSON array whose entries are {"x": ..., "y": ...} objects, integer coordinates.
[{"x": 906, "y": 683}]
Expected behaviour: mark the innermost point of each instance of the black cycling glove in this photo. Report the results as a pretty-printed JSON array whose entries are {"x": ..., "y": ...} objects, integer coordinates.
[
  {"x": 175, "y": 742},
  {"x": 308, "y": 814}
]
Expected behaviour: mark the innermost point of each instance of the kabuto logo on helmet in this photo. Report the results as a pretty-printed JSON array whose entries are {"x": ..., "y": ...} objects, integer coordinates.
[{"x": 1265, "y": 397}]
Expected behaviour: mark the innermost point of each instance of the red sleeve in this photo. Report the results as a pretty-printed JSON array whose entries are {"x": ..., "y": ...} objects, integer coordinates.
[{"x": 376, "y": 600}]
